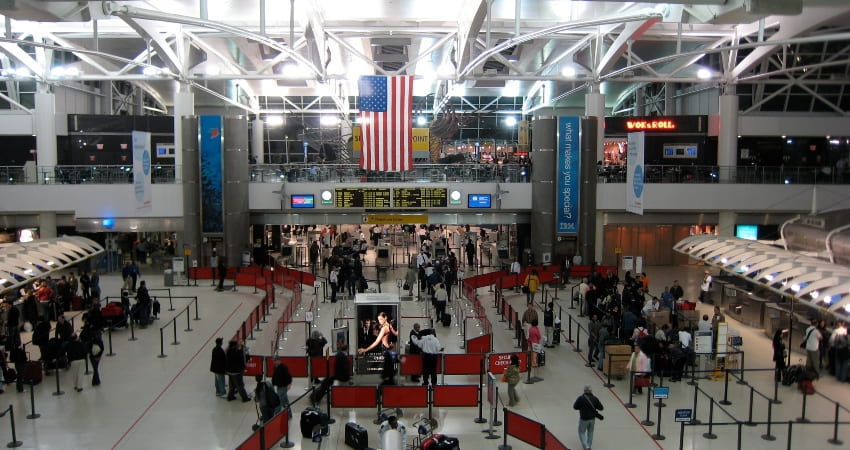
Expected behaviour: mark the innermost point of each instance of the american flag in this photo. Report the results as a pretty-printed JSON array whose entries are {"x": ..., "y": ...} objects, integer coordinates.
[{"x": 386, "y": 123}]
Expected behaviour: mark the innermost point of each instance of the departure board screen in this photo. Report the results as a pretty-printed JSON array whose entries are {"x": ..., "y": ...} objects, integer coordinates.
[
  {"x": 362, "y": 198},
  {"x": 419, "y": 197}
]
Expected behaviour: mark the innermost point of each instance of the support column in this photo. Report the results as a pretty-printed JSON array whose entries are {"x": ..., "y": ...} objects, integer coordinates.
[
  {"x": 587, "y": 191},
  {"x": 47, "y": 225},
  {"x": 727, "y": 141},
  {"x": 544, "y": 165},
  {"x": 190, "y": 239},
  {"x": 44, "y": 117},
  {"x": 594, "y": 106},
  {"x": 600, "y": 236},
  {"x": 257, "y": 140},
  {"x": 669, "y": 100},
  {"x": 184, "y": 105},
  {"x": 640, "y": 102},
  {"x": 235, "y": 189},
  {"x": 726, "y": 223}
]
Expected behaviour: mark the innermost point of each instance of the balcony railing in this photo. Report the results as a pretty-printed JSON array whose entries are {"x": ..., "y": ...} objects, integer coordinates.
[
  {"x": 430, "y": 173},
  {"x": 729, "y": 174}
]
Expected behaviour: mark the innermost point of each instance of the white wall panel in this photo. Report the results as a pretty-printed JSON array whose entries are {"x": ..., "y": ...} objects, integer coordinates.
[
  {"x": 15, "y": 123},
  {"x": 94, "y": 200}
]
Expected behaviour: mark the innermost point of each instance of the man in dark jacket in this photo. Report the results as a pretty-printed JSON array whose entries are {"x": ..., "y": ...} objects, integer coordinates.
[
  {"x": 282, "y": 381},
  {"x": 587, "y": 406},
  {"x": 235, "y": 358},
  {"x": 218, "y": 366}
]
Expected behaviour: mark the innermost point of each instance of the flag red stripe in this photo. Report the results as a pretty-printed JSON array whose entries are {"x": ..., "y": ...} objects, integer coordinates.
[{"x": 387, "y": 137}]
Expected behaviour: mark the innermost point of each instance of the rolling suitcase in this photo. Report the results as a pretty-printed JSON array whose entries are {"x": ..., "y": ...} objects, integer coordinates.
[
  {"x": 33, "y": 373},
  {"x": 356, "y": 436},
  {"x": 314, "y": 422},
  {"x": 440, "y": 442},
  {"x": 541, "y": 359}
]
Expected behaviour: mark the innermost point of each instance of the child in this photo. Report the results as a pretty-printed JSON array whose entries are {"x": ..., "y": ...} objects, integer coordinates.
[{"x": 511, "y": 376}]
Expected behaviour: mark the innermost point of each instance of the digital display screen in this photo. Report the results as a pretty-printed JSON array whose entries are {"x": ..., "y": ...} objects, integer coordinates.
[
  {"x": 362, "y": 197},
  {"x": 302, "y": 201},
  {"x": 749, "y": 232},
  {"x": 478, "y": 201},
  {"x": 419, "y": 197}
]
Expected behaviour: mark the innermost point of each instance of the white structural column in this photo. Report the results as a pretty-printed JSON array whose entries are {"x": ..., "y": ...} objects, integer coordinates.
[
  {"x": 44, "y": 117},
  {"x": 47, "y": 225},
  {"x": 669, "y": 100},
  {"x": 184, "y": 105},
  {"x": 594, "y": 106},
  {"x": 727, "y": 141},
  {"x": 257, "y": 141},
  {"x": 726, "y": 223}
]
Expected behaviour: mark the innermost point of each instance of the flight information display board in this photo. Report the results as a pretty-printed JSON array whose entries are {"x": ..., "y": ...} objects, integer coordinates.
[
  {"x": 362, "y": 198},
  {"x": 420, "y": 197}
]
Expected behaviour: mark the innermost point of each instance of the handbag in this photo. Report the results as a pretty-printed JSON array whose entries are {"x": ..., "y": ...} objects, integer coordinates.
[
  {"x": 599, "y": 416},
  {"x": 525, "y": 290},
  {"x": 642, "y": 381},
  {"x": 405, "y": 286},
  {"x": 504, "y": 378},
  {"x": 803, "y": 344}
]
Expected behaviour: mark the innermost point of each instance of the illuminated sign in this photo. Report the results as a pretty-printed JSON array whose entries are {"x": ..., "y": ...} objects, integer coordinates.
[
  {"x": 648, "y": 125},
  {"x": 419, "y": 197},
  {"x": 657, "y": 124},
  {"x": 362, "y": 197}
]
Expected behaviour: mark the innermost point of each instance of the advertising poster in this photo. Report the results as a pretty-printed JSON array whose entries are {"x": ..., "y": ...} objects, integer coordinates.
[
  {"x": 142, "y": 170},
  {"x": 212, "y": 211},
  {"x": 635, "y": 173},
  {"x": 567, "y": 182}
]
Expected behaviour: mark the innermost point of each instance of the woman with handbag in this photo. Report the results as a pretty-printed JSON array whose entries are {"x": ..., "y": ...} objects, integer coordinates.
[
  {"x": 588, "y": 407},
  {"x": 640, "y": 367}
]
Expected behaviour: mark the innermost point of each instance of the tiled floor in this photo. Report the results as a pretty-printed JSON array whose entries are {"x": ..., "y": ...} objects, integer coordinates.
[{"x": 146, "y": 401}]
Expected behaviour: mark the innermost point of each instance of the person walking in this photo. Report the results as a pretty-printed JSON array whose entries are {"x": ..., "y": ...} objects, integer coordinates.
[
  {"x": 282, "y": 381},
  {"x": 511, "y": 376},
  {"x": 530, "y": 285},
  {"x": 588, "y": 407},
  {"x": 235, "y": 362},
  {"x": 841, "y": 350},
  {"x": 218, "y": 366}
]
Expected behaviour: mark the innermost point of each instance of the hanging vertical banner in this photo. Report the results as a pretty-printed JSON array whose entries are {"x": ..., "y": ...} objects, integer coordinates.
[
  {"x": 142, "y": 170},
  {"x": 635, "y": 173},
  {"x": 212, "y": 211},
  {"x": 567, "y": 183}
]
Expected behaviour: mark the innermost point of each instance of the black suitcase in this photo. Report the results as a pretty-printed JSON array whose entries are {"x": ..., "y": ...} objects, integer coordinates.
[
  {"x": 314, "y": 422},
  {"x": 447, "y": 319},
  {"x": 356, "y": 436},
  {"x": 440, "y": 442}
]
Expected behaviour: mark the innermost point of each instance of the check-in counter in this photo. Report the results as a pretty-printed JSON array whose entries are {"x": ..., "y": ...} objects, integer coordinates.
[
  {"x": 778, "y": 316},
  {"x": 747, "y": 308}
]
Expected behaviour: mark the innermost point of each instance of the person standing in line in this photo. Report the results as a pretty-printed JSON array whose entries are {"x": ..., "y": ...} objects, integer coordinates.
[
  {"x": 316, "y": 347},
  {"x": 812, "y": 346},
  {"x": 549, "y": 324},
  {"x": 511, "y": 376},
  {"x": 531, "y": 283},
  {"x": 779, "y": 354},
  {"x": 534, "y": 344},
  {"x": 588, "y": 407},
  {"x": 441, "y": 300},
  {"x": 333, "y": 281},
  {"x": 640, "y": 366},
  {"x": 218, "y": 366},
  {"x": 470, "y": 253},
  {"x": 94, "y": 285},
  {"x": 415, "y": 332},
  {"x": 840, "y": 344},
  {"x": 431, "y": 349},
  {"x": 76, "y": 353},
  {"x": 235, "y": 357},
  {"x": 222, "y": 273},
  {"x": 528, "y": 316},
  {"x": 282, "y": 381},
  {"x": 95, "y": 353},
  {"x": 676, "y": 291}
]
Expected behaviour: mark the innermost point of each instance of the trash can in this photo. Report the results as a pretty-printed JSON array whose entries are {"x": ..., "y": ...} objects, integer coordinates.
[{"x": 169, "y": 277}]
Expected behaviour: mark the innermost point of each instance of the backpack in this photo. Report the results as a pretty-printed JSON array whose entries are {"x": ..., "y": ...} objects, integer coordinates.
[
  {"x": 642, "y": 334},
  {"x": 272, "y": 400}
]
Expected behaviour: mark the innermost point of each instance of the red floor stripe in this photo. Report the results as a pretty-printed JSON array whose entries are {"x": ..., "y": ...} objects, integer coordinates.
[{"x": 168, "y": 386}]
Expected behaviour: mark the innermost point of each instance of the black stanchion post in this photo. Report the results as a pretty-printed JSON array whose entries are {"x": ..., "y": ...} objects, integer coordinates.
[
  {"x": 694, "y": 420},
  {"x": 608, "y": 383},
  {"x": 35, "y": 415},
  {"x": 681, "y": 435},
  {"x": 741, "y": 370},
  {"x": 132, "y": 330},
  {"x": 480, "y": 418},
  {"x": 14, "y": 442},
  {"x": 578, "y": 340},
  {"x": 59, "y": 391},
  {"x": 109, "y": 334},
  {"x": 790, "y": 429},
  {"x": 646, "y": 421},
  {"x": 195, "y": 301},
  {"x": 725, "y": 400},
  {"x": 709, "y": 434},
  {"x": 739, "y": 435},
  {"x": 750, "y": 414},
  {"x": 658, "y": 436},
  {"x": 802, "y": 419},
  {"x": 693, "y": 381},
  {"x": 188, "y": 320},
  {"x": 570, "y": 329},
  {"x": 161, "y": 344},
  {"x": 834, "y": 440},
  {"x": 767, "y": 436},
  {"x": 174, "y": 329},
  {"x": 630, "y": 404},
  {"x": 775, "y": 400},
  {"x": 170, "y": 304}
]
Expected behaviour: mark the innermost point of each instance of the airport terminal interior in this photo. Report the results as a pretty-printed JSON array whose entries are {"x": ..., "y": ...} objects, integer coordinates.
[{"x": 614, "y": 149}]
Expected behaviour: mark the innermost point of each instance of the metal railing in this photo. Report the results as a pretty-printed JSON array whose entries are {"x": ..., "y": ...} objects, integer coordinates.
[
  {"x": 85, "y": 174},
  {"x": 352, "y": 173},
  {"x": 729, "y": 174}
]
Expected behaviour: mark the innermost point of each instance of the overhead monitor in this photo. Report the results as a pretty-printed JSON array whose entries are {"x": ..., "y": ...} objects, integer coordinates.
[
  {"x": 749, "y": 232},
  {"x": 478, "y": 201},
  {"x": 302, "y": 201}
]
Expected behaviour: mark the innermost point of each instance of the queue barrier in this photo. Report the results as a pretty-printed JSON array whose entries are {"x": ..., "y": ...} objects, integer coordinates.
[
  {"x": 297, "y": 365},
  {"x": 412, "y": 365},
  {"x": 265, "y": 437},
  {"x": 323, "y": 366},
  {"x": 404, "y": 396},
  {"x": 455, "y": 395},
  {"x": 462, "y": 364},
  {"x": 354, "y": 396}
]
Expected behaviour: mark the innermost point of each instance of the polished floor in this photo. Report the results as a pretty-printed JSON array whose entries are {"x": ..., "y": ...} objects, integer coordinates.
[{"x": 148, "y": 401}]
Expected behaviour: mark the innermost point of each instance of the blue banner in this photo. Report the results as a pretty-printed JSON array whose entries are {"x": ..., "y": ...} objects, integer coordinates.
[
  {"x": 567, "y": 182},
  {"x": 212, "y": 211}
]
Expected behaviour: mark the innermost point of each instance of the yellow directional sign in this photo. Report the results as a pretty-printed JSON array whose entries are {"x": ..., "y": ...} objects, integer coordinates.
[{"x": 394, "y": 219}]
